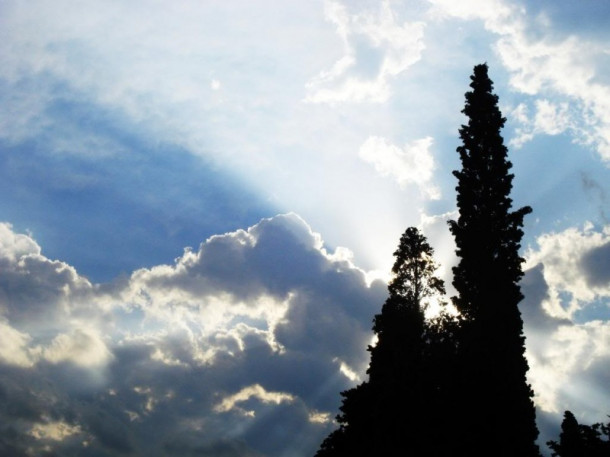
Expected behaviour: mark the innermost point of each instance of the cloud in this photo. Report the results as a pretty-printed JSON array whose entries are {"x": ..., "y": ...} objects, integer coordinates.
[
  {"x": 568, "y": 367},
  {"x": 436, "y": 230},
  {"x": 494, "y": 13},
  {"x": 83, "y": 347},
  {"x": 247, "y": 393},
  {"x": 542, "y": 66},
  {"x": 567, "y": 344},
  {"x": 377, "y": 49},
  {"x": 33, "y": 288},
  {"x": 258, "y": 329},
  {"x": 550, "y": 119},
  {"x": 575, "y": 266},
  {"x": 55, "y": 431},
  {"x": 14, "y": 348},
  {"x": 157, "y": 72},
  {"x": 413, "y": 164}
]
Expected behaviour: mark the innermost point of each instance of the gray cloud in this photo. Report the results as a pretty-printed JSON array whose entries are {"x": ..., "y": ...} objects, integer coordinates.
[
  {"x": 568, "y": 357},
  {"x": 138, "y": 367},
  {"x": 265, "y": 322},
  {"x": 596, "y": 264}
]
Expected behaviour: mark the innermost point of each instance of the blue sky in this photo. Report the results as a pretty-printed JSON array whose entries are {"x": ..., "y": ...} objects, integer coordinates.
[{"x": 200, "y": 201}]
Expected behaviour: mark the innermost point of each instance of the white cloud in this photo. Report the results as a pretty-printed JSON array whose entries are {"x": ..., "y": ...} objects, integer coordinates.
[
  {"x": 15, "y": 245},
  {"x": 494, "y": 13},
  {"x": 54, "y": 430},
  {"x": 550, "y": 119},
  {"x": 81, "y": 346},
  {"x": 567, "y": 342},
  {"x": 436, "y": 230},
  {"x": 347, "y": 371},
  {"x": 254, "y": 391},
  {"x": 236, "y": 280},
  {"x": 546, "y": 67},
  {"x": 319, "y": 418},
  {"x": 563, "y": 371},
  {"x": 575, "y": 262},
  {"x": 14, "y": 348},
  {"x": 413, "y": 164},
  {"x": 377, "y": 49}
]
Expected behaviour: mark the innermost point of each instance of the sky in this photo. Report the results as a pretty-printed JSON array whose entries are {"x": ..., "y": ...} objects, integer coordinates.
[{"x": 199, "y": 202}]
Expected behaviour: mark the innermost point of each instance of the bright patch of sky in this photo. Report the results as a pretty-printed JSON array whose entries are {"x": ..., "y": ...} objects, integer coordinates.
[{"x": 131, "y": 131}]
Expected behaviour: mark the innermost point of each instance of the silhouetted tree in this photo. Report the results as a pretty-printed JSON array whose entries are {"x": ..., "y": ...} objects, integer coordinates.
[
  {"x": 495, "y": 400},
  {"x": 577, "y": 440},
  {"x": 396, "y": 410}
]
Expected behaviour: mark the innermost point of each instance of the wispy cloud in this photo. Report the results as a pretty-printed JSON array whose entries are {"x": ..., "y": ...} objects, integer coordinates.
[
  {"x": 377, "y": 49},
  {"x": 565, "y": 68},
  {"x": 413, "y": 164}
]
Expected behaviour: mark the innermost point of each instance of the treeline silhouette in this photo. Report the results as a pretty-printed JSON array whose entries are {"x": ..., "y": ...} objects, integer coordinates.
[
  {"x": 456, "y": 384},
  {"x": 577, "y": 440}
]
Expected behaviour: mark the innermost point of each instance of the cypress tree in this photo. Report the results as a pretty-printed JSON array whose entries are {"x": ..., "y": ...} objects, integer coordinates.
[
  {"x": 392, "y": 413},
  {"x": 578, "y": 440},
  {"x": 495, "y": 400}
]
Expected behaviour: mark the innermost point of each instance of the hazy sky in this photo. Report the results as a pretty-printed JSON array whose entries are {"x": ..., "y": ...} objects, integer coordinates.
[{"x": 197, "y": 197}]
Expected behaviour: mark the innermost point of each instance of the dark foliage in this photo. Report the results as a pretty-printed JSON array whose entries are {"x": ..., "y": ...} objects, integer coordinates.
[
  {"x": 577, "y": 440},
  {"x": 497, "y": 411},
  {"x": 398, "y": 408},
  {"x": 451, "y": 387}
]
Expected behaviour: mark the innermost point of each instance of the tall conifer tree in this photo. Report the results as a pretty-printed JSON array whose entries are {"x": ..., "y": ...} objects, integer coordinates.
[
  {"x": 496, "y": 407},
  {"x": 392, "y": 413}
]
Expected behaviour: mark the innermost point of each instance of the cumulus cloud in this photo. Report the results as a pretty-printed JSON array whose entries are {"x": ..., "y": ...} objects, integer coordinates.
[
  {"x": 14, "y": 348},
  {"x": 413, "y": 164},
  {"x": 571, "y": 370},
  {"x": 568, "y": 349},
  {"x": 576, "y": 263},
  {"x": 81, "y": 346},
  {"x": 377, "y": 49},
  {"x": 258, "y": 329}
]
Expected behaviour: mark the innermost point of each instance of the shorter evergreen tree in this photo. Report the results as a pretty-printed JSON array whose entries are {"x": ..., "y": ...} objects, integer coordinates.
[
  {"x": 578, "y": 440},
  {"x": 398, "y": 409}
]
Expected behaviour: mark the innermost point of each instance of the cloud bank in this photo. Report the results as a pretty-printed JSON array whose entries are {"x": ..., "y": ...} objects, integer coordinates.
[
  {"x": 241, "y": 346},
  {"x": 566, "y": 280},
  {"x": 253, "y": 331}
]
